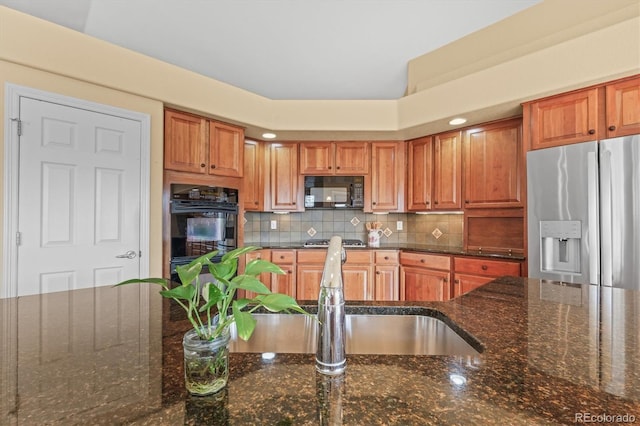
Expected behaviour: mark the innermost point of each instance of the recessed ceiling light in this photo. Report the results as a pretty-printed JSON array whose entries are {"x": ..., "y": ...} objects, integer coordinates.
[
  {"x": 458, "y": 120},
  {"x": 269, "y": 135}
]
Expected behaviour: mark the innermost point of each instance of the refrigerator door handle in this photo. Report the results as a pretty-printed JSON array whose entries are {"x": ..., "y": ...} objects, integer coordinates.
[
  {"x": 592, "y": 216},
  {"x": 606, "y": 219}
]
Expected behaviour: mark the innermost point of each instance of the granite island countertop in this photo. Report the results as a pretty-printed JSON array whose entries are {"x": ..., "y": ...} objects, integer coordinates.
[{"x": 550, "y": 354}]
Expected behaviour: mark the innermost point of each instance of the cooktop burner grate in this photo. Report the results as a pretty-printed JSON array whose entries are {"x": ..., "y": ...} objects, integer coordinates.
[{"x": 325, "y": 243}]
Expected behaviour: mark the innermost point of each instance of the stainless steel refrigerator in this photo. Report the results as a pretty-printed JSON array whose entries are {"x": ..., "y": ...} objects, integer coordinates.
[{"x": 583, "y": 207}]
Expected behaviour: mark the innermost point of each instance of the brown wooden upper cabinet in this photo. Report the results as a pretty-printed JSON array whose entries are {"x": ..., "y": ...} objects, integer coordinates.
[
  {"x": 349, "y": 158},
  {"x": 384, "y": 187},
  {"x": 253, "y": 181},
  {"x": 420, "y": 174},
  {"x": 195, "y": 144},
  {"x": 434, "y": 175},
  {"x": 623, "y": 107},
  {"x": 565, "y": 119},
  {"x": 447, "y": 166},
  {"x": 285, "y": 184},
  {"x": 492, "y": 165},
  {"x": 607, "y": 110}
]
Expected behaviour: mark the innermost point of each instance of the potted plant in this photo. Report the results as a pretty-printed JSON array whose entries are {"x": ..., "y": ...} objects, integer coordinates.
[{"x": 206, "y": 352}]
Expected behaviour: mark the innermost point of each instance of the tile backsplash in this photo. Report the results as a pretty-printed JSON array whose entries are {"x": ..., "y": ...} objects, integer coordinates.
[{"x": 436, "y": 229}]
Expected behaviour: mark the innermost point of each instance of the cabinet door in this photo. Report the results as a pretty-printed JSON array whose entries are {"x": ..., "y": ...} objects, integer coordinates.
[
  {"x": 464, "y": 283},
  {"x": 253, "y": 180},
  {"x": 447, "y": 179},
  {"x": 623, "y": 108},
  {"x": 420, "y": 174},
  {"x": 265, "y": 277},
  {"x": 284, "y": 284},
  {"x": 357, "y": 282},
  {"x": 184, "y": 142},
  {"x": 226, "y": 150},
  {"x": 492, "y": 157},
  {"x": 308, "y": 281},
  {"x": 316, "y": 158},
  {"x": 387, "y": 182},
  {"x": 352, "y": 158},
  {"x": 565, "y": 119},
  {"x": 421, "y": 284},
  {"x": 386, "y": 282},
  {"x": 285, "y": 188}
]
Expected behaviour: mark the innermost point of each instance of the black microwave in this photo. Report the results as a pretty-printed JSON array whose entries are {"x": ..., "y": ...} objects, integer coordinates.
[{"x": 334, "y": 192}]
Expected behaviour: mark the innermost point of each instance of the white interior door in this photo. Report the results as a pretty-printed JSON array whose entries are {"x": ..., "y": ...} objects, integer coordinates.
[{"x": 79, "y": 198}]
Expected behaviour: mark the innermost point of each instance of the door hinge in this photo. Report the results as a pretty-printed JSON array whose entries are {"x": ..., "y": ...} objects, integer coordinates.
[
  {"x": 19, "y": 125},
  {"x": 18, "y": 238}
]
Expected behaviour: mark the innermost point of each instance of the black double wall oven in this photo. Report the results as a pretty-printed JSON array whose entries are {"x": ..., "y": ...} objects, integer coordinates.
[{"x": 203, "y": 219}]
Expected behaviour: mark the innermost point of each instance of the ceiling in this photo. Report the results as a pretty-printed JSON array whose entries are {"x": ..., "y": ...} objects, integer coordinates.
[{"x": 283, "y": 49}]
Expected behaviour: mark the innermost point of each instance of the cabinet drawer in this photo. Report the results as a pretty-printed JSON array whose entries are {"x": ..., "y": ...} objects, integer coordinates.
[
  {"x": 258, "y": 254},
  {"x": 432, "y": 261},
  {"x": 386, "y": 257},
  {"x": 283, "y": 256},
  {"x": 364, "y": 257},
  {"x": 492, "y": 268},
  {"x": 318, "y": 256},
  {"x": 312, "y": 256}
]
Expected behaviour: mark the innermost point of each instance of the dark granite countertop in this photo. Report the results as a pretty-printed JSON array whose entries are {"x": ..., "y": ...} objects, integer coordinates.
[
  {"x": 550, "y": 354},
  {"x": 423, "y": 248}
]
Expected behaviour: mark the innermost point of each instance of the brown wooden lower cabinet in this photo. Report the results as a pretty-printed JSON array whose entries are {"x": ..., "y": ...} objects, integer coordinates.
[
  {"x": 383, "y": 274},
  {"x": 277, "y": 283},
  {"x": 386, "y": 275},
  {"x": 264, "y": 277},
  {"x": 422, "y": 284},
  {"x": 357, "y": 274},
  {"x": 471, "y": 273},
  {"x": 284, "y": 283},
  {"x": 425, "y": 277}
]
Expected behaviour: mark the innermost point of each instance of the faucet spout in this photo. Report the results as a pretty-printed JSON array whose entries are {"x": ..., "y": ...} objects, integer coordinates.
[{"x": 330, "y": 350}]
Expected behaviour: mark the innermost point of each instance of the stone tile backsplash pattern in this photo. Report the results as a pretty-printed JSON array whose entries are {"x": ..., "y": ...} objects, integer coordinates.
[{"x": 293, "y": 227}]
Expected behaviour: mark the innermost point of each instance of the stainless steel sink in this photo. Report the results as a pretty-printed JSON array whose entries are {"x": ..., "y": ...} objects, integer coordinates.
[{"x": 370, "y": 334}]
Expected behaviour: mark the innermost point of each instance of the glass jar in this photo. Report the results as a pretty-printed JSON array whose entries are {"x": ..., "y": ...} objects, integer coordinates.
[{"x": 206, "y": 363}]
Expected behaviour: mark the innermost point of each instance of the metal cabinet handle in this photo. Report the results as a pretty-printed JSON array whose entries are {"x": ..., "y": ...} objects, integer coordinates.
[
  {"x": 128, "y": 255},
  {"x": 612, "y": 128},
  {"x": 213, "y": 166},
  {"x": 592, "y": 131},
  {"x": 202, "y": 165},
  {"x": 484, "y": 267}
]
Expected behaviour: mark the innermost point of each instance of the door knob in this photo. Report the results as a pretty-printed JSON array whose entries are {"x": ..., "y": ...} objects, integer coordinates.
[{"x": 128, "y": 255}]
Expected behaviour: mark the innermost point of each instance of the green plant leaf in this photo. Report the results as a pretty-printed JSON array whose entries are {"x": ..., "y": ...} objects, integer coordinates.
[
  {"x": 188, "y": 273},
  {"x": 212, "y": 295},
  {"x": 160, "y": 281},
  {"x": 258, "y": 266},
  {"x": 181, "y": 292},
  {"x": 242, "y": 303},
  {"x": 247, "y": 282},
  {"x": 225, "y": 269},
  {"x": 245, "y": 323},
  {"x": 234, "y": 254},
  {"x": 277, "y": 302}
]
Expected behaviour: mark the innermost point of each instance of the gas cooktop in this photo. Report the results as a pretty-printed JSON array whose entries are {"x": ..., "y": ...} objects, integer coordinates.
[{"x": 325, "y": 243}]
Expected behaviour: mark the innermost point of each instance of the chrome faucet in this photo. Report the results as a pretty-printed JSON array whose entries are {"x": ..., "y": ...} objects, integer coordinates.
[{"x": 330, "y": 351}]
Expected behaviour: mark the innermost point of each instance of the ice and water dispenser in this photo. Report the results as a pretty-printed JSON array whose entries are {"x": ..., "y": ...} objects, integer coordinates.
[{"x": 560, "y": 246}]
